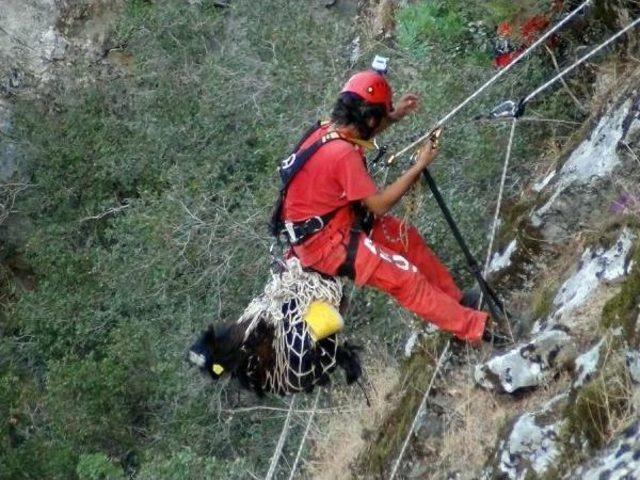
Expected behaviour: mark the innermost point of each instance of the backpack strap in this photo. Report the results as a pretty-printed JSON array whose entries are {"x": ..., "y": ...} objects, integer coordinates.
[{"x": 289, "y": 168}]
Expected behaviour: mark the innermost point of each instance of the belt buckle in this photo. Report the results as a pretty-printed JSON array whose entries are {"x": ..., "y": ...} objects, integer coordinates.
[
  {"x": 288, "y": 226},
  {"x": 320, "y": 221}
]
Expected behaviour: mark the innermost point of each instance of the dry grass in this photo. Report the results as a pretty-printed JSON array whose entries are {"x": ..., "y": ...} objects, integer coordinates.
[
  {"x": 345, "y": 435},
  {"x": 475, "y": 418}
]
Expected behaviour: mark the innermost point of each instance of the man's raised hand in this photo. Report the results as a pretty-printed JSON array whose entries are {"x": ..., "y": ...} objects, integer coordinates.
[{"x": 407, "y": 104}]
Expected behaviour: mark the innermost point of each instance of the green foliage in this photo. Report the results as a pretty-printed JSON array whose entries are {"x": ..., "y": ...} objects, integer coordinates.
[
  {"x": 596, "y": 408},
  {"x": 97, "y": 466},
  {"x": 599, "y": 410},
  {"x": 187, "y": 464},
  {"x": 433, "y": 22}
]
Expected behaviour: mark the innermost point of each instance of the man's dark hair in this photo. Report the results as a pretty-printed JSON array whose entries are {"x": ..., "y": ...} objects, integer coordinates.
[{"x": 350, "y": 109}]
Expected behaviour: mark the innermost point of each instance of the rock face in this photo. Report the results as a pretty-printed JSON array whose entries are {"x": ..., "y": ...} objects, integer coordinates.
[
  {"x": 531, "y": 444},
  {"x": 620, "y": 461},
  {"x": 8, "y": 152},
  {"x": 595, "y": 158},
  {"x": 596, "y": 267},
  {"x": 500, "y": 261},
  {"x": 586, "y": 365},
  {"x": 29, "y": 40},
  {"x": 633, "y": 364},
  {"x": 528, "y": 364}
]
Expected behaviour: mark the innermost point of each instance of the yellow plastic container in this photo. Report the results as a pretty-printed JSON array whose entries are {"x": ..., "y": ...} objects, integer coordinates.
[{"x": 323, "y": 319}]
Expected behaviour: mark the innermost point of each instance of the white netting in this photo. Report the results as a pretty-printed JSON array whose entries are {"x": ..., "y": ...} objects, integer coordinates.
[{"x": 300, "y": 363}]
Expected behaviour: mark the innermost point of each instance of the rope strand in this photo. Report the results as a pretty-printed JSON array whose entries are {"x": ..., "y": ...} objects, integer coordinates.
[
  {"x": 283, "y": 436},
  {"x": 580, "y": 61},
  {"x": 503, "y": 179},
  {"x": 304, "y": 436}
]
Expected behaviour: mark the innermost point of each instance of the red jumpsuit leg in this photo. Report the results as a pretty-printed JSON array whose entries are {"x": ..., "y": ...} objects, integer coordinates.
[
  {"x": 389, "y": 232},
  {"x": 386, "y": 270}
]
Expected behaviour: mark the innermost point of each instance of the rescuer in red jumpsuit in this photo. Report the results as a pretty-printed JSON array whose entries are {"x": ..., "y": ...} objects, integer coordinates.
[{"x": 389, "y": 257}]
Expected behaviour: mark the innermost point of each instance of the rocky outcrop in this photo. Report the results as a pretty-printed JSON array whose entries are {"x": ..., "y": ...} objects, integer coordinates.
[
  {"x": 572, "y": 200},
  {"x": 597, "y": 266},
  {"x": 531, "y": 443},
  {"x": 619, "y": 461},
  {"x": 29, "y": 39},
  {"x": 586, "y": 365},
  {"x": 529, "y": 364}
]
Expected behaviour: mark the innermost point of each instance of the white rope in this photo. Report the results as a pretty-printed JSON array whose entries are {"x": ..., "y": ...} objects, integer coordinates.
[
  {"x": 283, "y": 436},
  {"x": 423, "y": 404},
  {"x": 304, "y": 436},
  {"x": 494, "y": 226},
  {"x": 492, "y": 80},
  {"x": 583, "y": 59},
  {"x": 503, "y": 179}
]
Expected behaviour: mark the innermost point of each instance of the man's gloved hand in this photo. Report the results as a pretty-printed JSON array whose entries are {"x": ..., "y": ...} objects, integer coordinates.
[{"x": 407, "y": 104}]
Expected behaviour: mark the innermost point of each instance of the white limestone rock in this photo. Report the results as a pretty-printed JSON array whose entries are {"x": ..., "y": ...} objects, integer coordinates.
[
  {"x": 596, "y": 267},
  {"x": 539, "y": 186},
  {"x": 410, "y": 344},
  {"x": 500, "y": 261},
  {"x": 531, "y": 444},
  {"x": 586, "y": 365},
  {"x": 633, "y": 364},
  {"x": 594, "y": 158},
  {"x": 528, "y": 364},
  {"x": 620, "y": 461}
]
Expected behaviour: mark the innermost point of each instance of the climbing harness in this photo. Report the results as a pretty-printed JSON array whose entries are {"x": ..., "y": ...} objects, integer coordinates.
[{"x": 297, "y": 232}]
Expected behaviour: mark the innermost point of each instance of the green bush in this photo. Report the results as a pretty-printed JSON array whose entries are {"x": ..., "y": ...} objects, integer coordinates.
[{"x": 97, "y": 466}]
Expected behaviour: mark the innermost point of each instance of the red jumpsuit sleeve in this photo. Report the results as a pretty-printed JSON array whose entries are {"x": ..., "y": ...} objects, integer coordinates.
[{"x": 353, "y": 177}]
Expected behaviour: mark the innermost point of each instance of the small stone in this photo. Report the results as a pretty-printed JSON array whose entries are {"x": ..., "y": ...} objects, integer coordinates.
[
  {"x": 528, "y": 364},
  {"x": 587, "y": 364}
]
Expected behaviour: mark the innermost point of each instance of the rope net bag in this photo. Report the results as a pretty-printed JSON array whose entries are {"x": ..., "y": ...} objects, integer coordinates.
[{"x": 299, "y": 361}]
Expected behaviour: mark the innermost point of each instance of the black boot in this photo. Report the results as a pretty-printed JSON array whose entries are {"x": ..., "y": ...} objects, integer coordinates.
[
  {"x": 471, "y": 297},
  {"x": 496, "y": 334}
]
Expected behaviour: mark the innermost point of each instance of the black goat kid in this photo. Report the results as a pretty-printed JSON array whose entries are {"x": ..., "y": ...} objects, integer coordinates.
[{"x": 255, "y": 361}]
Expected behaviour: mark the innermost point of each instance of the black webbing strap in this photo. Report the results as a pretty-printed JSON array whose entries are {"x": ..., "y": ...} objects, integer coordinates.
[
  {"x": 362, "y": 223},
  {"x": 347, "y": 269},
  {"x": 288, "y": 170},
  {"x": 300, "y": 231}
]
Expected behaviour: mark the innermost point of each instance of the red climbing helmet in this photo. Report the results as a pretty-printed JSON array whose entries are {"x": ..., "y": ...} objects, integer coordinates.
[{"x": 372, "y": 87}]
